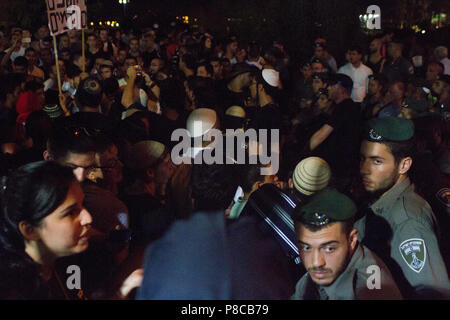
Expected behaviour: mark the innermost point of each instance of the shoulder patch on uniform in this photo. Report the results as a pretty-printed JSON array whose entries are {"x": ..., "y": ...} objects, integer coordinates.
[
  {"x": 411, "y": 69},
  {"x": 443, "y": 196},
  {"x": 414, "y": 253}
]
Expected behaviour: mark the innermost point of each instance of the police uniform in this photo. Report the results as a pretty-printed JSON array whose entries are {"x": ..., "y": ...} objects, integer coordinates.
[
  {"x": 400, "y": 226},
  {"x": 355, "y": 282}
]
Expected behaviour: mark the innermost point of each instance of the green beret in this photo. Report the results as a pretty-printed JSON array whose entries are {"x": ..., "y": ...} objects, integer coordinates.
[
  {"x": 327, "y": 206},
  {"x": 389, "y": 129}
]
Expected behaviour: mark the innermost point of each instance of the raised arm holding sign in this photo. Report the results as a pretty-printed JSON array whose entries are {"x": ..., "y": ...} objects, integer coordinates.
[{"x": 65, "y": 15}]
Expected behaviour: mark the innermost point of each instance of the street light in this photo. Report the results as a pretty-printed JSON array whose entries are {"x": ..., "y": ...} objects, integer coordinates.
[{"x": 124, "y": 2}]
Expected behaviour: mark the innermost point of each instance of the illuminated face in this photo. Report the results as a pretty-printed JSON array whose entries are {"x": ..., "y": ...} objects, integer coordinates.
[
  {"x": 378, "y": 169},
  {"x": 81, "y": 163},
  {"x": 65, "y": 231},
  {"x": 355, "y": 57},
  {"x": 324, "y": 253}
]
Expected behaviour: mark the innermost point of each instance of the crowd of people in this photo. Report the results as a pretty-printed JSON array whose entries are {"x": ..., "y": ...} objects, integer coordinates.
[{"x": 358, "y": 208}]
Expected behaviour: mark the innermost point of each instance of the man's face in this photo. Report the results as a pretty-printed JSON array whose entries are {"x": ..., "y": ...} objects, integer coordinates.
[
  {"x": 103, "y": 35},
  {"x": 98, "y": 63},
  {"x": 233, "y": 47},
  {"x": 318, "y": 84},
  {"x": 375, "y": 45},
  {"x": 317, "y": 67},
  {"x": 65, "y": 56},
  {"x": 43, "y": 32},
  {"x": 31, "y": 57},
  {"x": 307, "y": 71},
  {"x": 16, "y": 36},
  {"x": 106, "y": 73},
  {"x": 378, "y": 169},
  {"x": 319, "y": 52},
  {"x": 201, "y": 72},
  {"x": 92, "y": 42},
  {"x": 217, "y": 67},
  {"x": 374, "y": 87},
  {"x": 134, "y": 45},
  {"x": 155, "y": 66},
  {"x": 392, "y": 49},
  {"x": 122, "y": 56},
  {"x": 62, "y": 70},
  {"x": 394, "y": 92},
  {"x": 438, "y": 87},
  {"x": 355, "y": 57},
  {"x": 324, "y": 253},
  {"x": 81, "y": 163}
]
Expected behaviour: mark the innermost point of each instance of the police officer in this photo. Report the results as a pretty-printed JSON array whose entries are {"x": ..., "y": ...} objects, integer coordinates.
[
  {"x": 399, "y": 225},
  {"x": 397, "y": 68},
  {"x": 338, "y": 266}
]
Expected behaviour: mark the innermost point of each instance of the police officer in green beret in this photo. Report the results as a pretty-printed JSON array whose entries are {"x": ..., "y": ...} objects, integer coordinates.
[
  {"x": 399, "y": 225},
  {"x": 338, "y": 266}
]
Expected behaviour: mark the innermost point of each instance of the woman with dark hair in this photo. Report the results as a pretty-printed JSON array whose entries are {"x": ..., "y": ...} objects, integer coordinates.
[{"x": 42, "y": 219}]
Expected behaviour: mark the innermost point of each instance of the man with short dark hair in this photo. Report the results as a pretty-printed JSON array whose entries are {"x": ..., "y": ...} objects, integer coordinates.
[
  {"x": 337, "y": 140},
  {"x": 204, "y": 70},
  {"x": 359, "y": 73},
  {"x": 33, "y": 69},
  {"x": 397, "y": 68},
  {"x": 338, "y": 266},
  {"x": 398, "y": 224},
  {"x": 74, "y": 148}
]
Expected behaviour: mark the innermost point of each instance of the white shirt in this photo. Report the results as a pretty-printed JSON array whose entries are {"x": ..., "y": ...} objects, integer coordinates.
[
  {"x": 360, "y": 79},
  {"x": 446, "y": 63}
]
